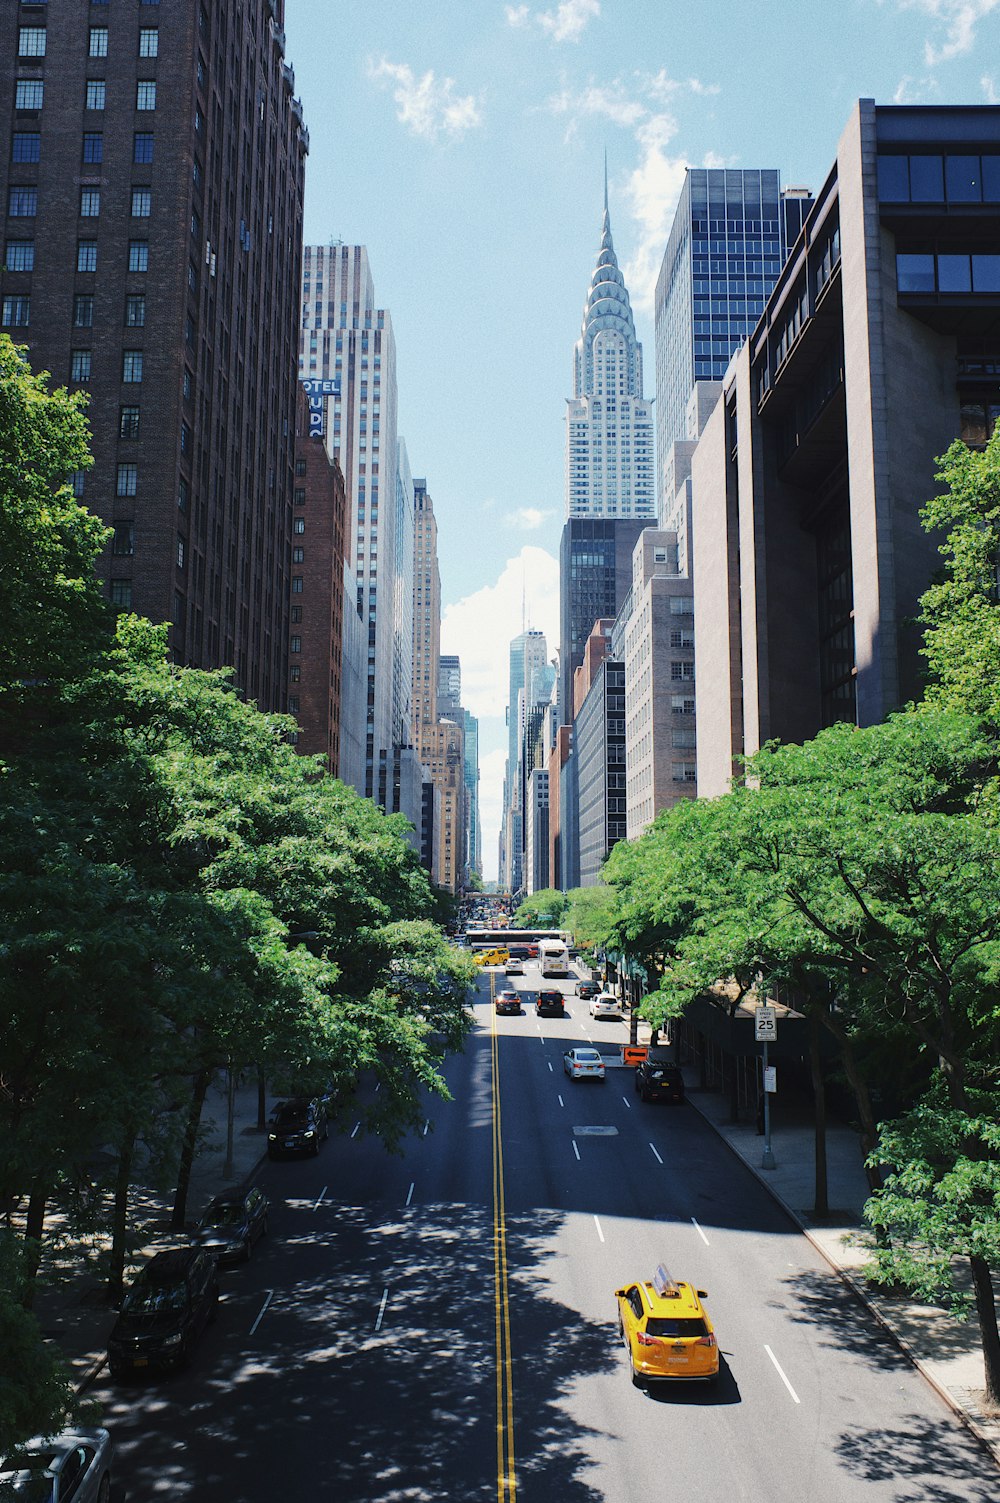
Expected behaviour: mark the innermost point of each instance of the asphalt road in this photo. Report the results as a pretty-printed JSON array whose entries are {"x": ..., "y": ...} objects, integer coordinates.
[{"x": 441, "y": 1325}]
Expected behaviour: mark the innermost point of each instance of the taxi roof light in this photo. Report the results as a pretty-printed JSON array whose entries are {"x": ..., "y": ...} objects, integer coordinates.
[{"x": 664, "y": 1283}]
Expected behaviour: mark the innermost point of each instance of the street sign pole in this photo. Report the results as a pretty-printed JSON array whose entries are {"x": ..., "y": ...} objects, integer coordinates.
[{"x": 767, "y": 1162}]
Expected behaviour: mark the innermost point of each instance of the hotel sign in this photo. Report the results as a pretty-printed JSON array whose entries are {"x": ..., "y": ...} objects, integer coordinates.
[{"x": 317, "y": 389}]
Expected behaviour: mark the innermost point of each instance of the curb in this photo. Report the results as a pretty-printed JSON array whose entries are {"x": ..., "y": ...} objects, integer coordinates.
[{"x": 861, "y": 1294}]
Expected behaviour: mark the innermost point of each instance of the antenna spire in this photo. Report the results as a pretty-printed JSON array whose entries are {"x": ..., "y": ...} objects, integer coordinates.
[{"x": 605, "y": 179}]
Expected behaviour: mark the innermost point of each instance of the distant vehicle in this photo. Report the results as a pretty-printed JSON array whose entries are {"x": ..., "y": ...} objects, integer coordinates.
[
  {"x": 514, "y": 967},
  {"x": 666, "y": 1330},
  {"x": 493, "y": 957},
  {"x": 587, "y": 989},
  {"x": 605, "y": 1005},
  {"x": 508, "y": 1001},
  {"x": 164, "y": 1312},
  {"x": 297, "y": 1126},
  {"x": 553, "y": 959},
  {"x": 583, "y": 1064},
  {"x": 550, "y": 1004},
  {"x": 55, "y": 1468},
  {"x": 656, "y": 1079},
  {"x": 231, "y": 1225}
]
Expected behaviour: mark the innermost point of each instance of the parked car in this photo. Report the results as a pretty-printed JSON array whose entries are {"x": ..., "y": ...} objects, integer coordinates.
[
  {"x": 583, "y": 1063},
  {"x": 588, "y": 989},
  {"x": 164, "y": 1312},
  {"x": 55, "y": 1468},
  {"x": 550, "y": 1004},
  {"x": 605, "y": 1005},
  {"x": 231, "y": 1225},
  {"x": 297, "y": 1126},
  {"x": 656, "y": 1079}
]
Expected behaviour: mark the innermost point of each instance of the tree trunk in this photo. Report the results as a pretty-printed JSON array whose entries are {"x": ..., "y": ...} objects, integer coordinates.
[
  {"x": 34, "y": 1228},
  {"x": 822, "y": 1200},
  {"x": 987, "y": 1311},
  {"x": 119, "y": 1222},
  {"x": 862, "y": 1098},
  {"x": 261, "y": 1099},
  {"x": 190, "y": 1143}
]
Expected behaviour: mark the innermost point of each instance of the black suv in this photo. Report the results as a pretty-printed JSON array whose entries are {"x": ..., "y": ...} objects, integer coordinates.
[
  {"x": 588, "y": 989},
  {"x": 656, "y": 1079},
  {"x": 550, "y": 1005},
  {"x": 297, "y": 1126},
  {"x": 164, "y": 1312},
  {"x": 231, "y": 1225}
]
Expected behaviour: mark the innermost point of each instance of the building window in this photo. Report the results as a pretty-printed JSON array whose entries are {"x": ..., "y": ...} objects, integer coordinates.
[
  {"x": 132, "y": 366},
  {"x": 293, "y": 704},
  {"x": 182, "y": 495},
  {"x": 76, "y": 481},
  {"x": 680, "y": 704},
  {"x": 681, "y": 672},
  {"x": 83, "y": 310},
  {"x": 128, "y": 423},
  {"x": 298, "y": 555},
  {"x": 121, "y": 593},
  {"x": 29, "y": 94},
  {"x": 31, "y": 41},
  {"x": 128, "y": 480},
  {"x": 90, "y": 203},
  {"x": 145, "y": 94},
  {"x": 123, "y": 541},
  {"x": 142, "y": 203},
  {"x": 86, "y": 255},
  {"x": 149, "y": 41},
  {"x": 80, "y": 366},
  {"x": 138, "y": 255},
  {"x": 98, "y": 41},
  {"x": 296, "y": 584},
  {"x": 20, "y": 255},
  {"x": 93, "y": 146},
  {"x": 22, "y": 203},
  {"x": 295, "y": 673},
  {"x": 295, "y": 644},
  {"x": 135, "y": 310},
  {"x": 298, "y": 524},
  {"x": 300, "y": 467},
  {"x": 180, "y": 551},
  {"x": 681, "y": 605},
  {"x": 97, "y": 91},
  {"x": 26, "y": 146},
  {"x": 299, "y": 496},
  {"x": 16, "y": 312},
  {"x": 142, "y": 147},
  {"x": 296, "y": 614}
]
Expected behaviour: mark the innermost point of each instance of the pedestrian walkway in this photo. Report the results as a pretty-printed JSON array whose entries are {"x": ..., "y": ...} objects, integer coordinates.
[
  {"x": 946, "y": 1351},
  {"x": 72, "y": 1305}
]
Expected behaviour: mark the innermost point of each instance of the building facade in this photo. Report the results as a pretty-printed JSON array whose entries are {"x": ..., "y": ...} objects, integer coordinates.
[
  {"x": 595, "y": 575},
  {"x": 599, "y": 747},
  {"x": 610, "y": 468},
  {"x": 536, "y": 828},
  {"x": 153, "y": 173},
  {"x": 879, "y": 346}
]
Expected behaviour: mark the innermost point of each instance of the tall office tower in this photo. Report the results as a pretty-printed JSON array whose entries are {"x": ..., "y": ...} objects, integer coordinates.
[
  {"x": 599, "y": 731},
  {"x": 595, "y": 575},
  {"x": 610, "y": 470},
  {"x": 152, "y": 176},
  {"x": 439, "y": 743},
  {"x": 474, "y": 837},
  {"x": 449, "y": 686},
  {"x": 344, "y": 336},
  {"x": 530, "y": 681},
  {"x": 731, "y": 233},
  {"x": 528, "y": 659}
]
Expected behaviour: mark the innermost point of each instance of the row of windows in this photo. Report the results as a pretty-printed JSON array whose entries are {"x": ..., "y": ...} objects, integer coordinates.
[
  {"x": 948, "y": 272},
  {"x": 22, "y": 203},
  {"x": 957, "y": 179},
  {"x": 31, "y": 40},
  {"x": 30, "y": 94},
  {"x": 26, "y": 146}
]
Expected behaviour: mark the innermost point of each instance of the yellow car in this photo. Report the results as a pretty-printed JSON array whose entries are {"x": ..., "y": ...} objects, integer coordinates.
[
  {"x": 666, "y": 1331},
  {"x": 493, "y": 957}
]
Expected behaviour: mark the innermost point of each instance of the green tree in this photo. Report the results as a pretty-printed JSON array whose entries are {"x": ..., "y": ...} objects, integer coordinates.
[
  {"x": 545, "y": 907},
  {"x": 590, "y": 915},
  {"x": 36, "y": 1393}
]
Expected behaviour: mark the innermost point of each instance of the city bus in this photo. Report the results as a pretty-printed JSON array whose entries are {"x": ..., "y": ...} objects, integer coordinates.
[{"x": 553, "y": 957}]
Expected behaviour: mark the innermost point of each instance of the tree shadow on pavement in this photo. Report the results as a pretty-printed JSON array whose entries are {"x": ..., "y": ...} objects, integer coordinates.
[{"x": 922, "y": 1459}]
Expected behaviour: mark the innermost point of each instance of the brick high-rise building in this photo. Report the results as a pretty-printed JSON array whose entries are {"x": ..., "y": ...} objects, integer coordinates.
[{"x": 153, "y": 169}]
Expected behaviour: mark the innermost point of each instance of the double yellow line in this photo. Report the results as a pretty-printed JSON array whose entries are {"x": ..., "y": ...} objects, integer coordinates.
[{"x": 506, "y": 1474}]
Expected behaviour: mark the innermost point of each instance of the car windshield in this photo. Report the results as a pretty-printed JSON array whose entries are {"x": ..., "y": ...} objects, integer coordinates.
[
  {"x": 24, "y": 1476},
  {"x": 229, "y": 1214},
  {"x": 151, "y": 1297},
  {"x": 588, "y": 1056},
  {"x": 291, "y": 1116},
  {"x": 681, "y": 1326}
]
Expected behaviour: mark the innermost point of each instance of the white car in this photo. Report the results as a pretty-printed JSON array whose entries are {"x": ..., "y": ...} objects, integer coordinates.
[
  {"x": 605, "y": 1005},
  {"x": 75, "y": 1464},
  {"x": 583, "y": 1064}
]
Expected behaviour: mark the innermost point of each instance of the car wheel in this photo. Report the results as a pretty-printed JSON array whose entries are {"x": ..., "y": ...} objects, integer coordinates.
[
  {"x": 104, "y": 1491},
  {"x": 637, "y": 1378}
]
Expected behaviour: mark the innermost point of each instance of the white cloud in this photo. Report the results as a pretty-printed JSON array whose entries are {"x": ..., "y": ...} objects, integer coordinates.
[
  {"x": 480, "y": 627},
  {"x": 958, "y": 18},
  {"x": 988, "y": 84},
  {"x": 610, "y": 102},
  {"x": 427, "y": 106},
  {"x": 566, "y": 23},
  {"x": 652, "y": 193},
  {"x": 527, "y": 518}
]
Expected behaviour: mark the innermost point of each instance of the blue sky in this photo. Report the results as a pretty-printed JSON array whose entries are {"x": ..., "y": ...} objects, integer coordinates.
[{"x": 462, "y": 141}]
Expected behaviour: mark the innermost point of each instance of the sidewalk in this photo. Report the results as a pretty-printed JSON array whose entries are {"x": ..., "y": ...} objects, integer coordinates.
[
  {"x": 946, "y": 1351},
  {"x": 73, "y": 1308}
]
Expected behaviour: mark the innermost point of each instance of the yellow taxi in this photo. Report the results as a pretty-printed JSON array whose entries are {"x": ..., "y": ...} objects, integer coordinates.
[
  {"x": 493, "y": 957},
  {"x": 666, "y": 1330}
]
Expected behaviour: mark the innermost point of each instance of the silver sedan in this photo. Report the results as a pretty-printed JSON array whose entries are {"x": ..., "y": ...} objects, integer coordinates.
[
  {"x": 583, "y": 1064},
  {"x": 54, "y": 1468}
]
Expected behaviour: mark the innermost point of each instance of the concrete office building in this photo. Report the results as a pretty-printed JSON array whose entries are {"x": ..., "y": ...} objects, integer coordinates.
[
  {"x": 345, "y": 337},
  {"x": 536, "y": 827},
  {"x": 654, "y": 637},
  {"x": 152, "y": 172},
  {"x": 610, "y": 470},
  {"x": 527, "y": 664},
  {"x": 878, "y": 347},
  {"x": 474, "y": 837},
  {"x": 599, "y": 744},
  {"x": 449, "y": 686},
  {"x": 595, "y": 575}
]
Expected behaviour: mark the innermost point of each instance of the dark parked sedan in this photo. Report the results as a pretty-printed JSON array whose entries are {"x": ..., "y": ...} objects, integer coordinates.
[
  {"x": 297, "y": 1126},
  {"x": 588, "y": 989},
  {"x": 656, "y": 1080},
  {"x": 164, "y": 1312},
  {"x": 232, "y": 1224}
]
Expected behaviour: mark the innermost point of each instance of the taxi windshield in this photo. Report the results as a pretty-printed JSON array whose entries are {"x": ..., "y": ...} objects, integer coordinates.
[{"x": 679, "y": 1326}]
